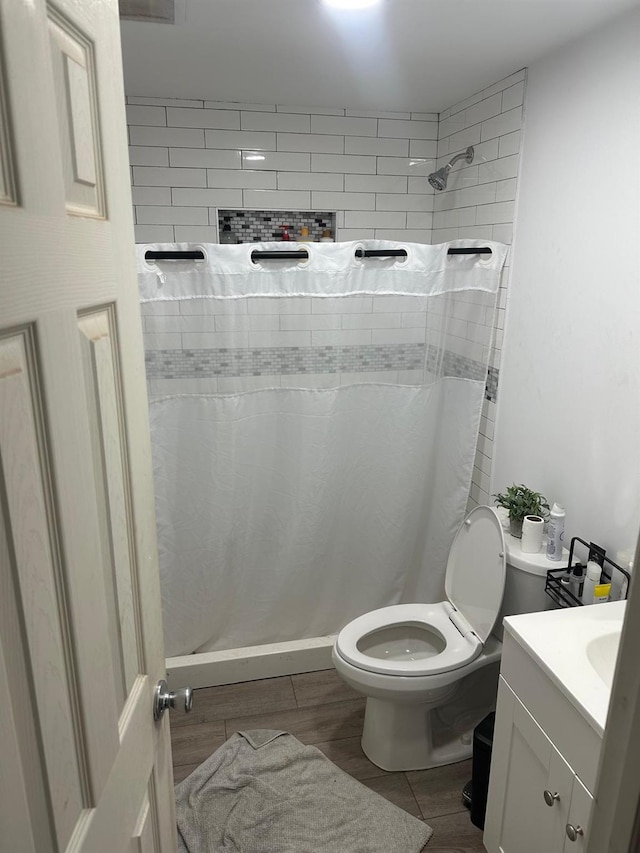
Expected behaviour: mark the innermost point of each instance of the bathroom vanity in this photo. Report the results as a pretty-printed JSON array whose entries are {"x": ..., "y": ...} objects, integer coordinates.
[{"x": 555, "y": 681}]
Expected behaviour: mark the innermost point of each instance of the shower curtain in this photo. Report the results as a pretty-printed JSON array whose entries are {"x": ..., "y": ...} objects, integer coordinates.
[{"x": 313, "y": 428}]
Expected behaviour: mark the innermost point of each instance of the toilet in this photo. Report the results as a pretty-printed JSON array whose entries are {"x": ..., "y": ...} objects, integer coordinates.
[{"x": 430, "y": 671}]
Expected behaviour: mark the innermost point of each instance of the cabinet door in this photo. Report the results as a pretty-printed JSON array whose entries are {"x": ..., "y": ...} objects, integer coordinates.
[
  {"x": 578, "y": 819},
  {"x": 524, "y": 765}
]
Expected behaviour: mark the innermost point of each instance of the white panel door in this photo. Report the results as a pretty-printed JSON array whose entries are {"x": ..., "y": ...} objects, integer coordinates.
[{"x": 84, "y": 766}]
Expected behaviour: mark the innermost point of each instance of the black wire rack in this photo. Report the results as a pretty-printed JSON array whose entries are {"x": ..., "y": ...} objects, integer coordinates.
[{"x": 561, "y": 594}]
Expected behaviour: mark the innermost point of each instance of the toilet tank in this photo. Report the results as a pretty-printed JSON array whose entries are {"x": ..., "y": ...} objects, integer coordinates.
[{"x": 525, "y": 580}]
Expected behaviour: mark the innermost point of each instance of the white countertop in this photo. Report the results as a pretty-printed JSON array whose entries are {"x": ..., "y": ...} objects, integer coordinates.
[{"x": 559, "y": 640}]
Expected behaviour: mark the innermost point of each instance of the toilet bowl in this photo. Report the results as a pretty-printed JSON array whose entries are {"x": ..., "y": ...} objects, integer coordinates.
[{"x": 429, "y": 671}]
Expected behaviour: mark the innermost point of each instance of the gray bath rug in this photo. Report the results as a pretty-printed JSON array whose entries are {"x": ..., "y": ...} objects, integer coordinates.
[{"x": 265, "y": 792}]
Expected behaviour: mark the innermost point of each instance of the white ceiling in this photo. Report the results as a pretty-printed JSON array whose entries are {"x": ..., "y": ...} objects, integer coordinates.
[{"x": 420, "y": 55}]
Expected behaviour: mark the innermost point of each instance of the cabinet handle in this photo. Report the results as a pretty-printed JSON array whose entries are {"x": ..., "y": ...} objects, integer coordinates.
[
  {"x": 550, "y": 798},
  {"x": 574, "y": 831}
]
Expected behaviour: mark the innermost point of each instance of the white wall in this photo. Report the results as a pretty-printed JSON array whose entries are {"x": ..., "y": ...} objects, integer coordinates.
[{"x": 568, "y": 420}]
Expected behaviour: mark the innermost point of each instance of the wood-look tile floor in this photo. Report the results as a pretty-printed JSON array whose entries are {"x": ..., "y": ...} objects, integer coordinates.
[{"x": 319, "y": 709}]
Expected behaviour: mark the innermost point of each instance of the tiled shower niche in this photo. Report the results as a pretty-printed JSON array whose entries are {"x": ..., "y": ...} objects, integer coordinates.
[{"x": 260, "y": 226}]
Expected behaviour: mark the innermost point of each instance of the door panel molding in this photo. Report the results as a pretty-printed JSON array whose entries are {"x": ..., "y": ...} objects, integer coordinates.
[
  {"x": 74, "y": 74},
  {"x": 39, "y": 578},
  {"x": 104, "y": 397},
  {"x": 8, "y": 172}
]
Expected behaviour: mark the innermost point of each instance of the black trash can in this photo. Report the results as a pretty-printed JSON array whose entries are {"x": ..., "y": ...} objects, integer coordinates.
[{"x": 482, "y": 745}]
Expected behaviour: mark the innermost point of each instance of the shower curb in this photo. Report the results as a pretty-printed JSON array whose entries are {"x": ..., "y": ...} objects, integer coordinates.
[{"x": 211, "y": 669}]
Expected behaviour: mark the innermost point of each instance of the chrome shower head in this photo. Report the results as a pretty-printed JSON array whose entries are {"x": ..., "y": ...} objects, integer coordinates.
[{"x": 438, "y": 179}]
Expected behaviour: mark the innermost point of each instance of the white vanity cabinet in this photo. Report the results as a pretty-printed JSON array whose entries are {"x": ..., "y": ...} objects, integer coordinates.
[
  {"x": 544, "y": 760},
  {"x": 534, "y": 793}
]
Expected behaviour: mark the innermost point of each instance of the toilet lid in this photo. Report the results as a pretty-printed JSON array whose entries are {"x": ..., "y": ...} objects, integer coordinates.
[{"x": 476, "y": 570}]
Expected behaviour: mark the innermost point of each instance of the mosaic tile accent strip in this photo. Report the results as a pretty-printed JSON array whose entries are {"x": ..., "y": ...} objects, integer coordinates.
[
  {"x": 456, "y": 365},
  {"x": 269, "y": 361},
  {"x": 283, "y": 361},
  {"x": 491, "y": 392},
  {"x": 258, "y": 226}
]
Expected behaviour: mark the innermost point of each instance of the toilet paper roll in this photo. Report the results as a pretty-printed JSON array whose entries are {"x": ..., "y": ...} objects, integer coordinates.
[{"x": 532, "y": 530}]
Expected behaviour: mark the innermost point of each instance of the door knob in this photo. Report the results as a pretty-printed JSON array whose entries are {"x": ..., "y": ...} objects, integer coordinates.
[
  {"x": 550, "y": 798},
  {"x": 163, "y": 698},
  {"x": 574, "y": 831}
]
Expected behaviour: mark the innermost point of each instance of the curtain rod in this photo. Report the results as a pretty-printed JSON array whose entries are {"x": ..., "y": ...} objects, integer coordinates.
[{"x": 302, "y": 254}]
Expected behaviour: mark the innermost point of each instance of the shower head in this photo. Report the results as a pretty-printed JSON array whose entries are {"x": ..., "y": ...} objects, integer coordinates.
[{"x": 438, "y": 179}]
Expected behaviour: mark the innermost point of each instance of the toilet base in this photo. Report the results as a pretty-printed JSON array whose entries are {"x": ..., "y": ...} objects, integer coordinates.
[
  {"x": 417, "y": 736},
  {"x": 401, "y": 737}
]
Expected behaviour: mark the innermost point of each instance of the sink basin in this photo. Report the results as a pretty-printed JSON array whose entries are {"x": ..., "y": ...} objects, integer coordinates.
[
  {"x": 577, "y": 648},
  {"x": 602, "y": 653}
]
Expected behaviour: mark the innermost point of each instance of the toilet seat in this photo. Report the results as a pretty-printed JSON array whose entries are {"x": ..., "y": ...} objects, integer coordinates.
[
  {"x": 454, "y": 630},
  {"x": 434, "y": 619},
  {"x": 476, "y": 570}
]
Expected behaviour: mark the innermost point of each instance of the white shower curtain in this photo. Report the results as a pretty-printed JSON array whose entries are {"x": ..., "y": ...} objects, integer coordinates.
[{"x": 313, "y": 430}]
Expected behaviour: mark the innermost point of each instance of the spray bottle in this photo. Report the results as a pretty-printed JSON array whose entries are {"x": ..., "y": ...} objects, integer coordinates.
[{"x": 555, "y": 532}]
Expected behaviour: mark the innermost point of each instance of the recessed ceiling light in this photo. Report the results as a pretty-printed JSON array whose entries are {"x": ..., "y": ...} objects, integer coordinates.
[{"x": 350, "y": 4}]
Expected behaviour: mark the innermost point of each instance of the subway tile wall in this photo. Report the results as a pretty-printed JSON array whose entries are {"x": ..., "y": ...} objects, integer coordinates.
[
  {"x": 211, "y": 345},
  {"x": 479, "y": 202},
  {"x": 191, "y": 158},
  {"x": 208, "y": 345}
]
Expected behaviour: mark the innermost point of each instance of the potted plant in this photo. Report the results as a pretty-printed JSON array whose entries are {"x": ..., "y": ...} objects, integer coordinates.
[{"x": 521, "y": 501}]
